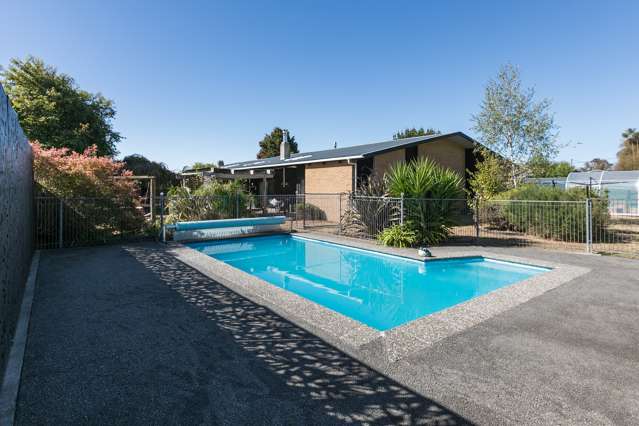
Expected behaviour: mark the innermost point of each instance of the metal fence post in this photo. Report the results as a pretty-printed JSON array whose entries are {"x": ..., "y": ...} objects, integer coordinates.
[
  {"x": 476, "y": 218},
  {"x": 339, "y": 228},
  {"x": 303, "y": 211},
  {"x": 401, "y": 209},
  {"x": 163, "y": 230},
  {"x": 589, "y": 225},
  {"x": 61, "y": 223}
]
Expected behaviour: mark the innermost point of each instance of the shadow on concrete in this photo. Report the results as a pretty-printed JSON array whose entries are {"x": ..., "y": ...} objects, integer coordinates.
[{"x": 339, "y": 388}]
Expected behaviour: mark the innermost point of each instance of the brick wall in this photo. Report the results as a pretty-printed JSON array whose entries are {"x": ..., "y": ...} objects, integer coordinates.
[
  {"x": 447, "y": 153},
  {"x": 383, "y": 162},
  {"x": 328, "y": 178},
  {"x": 335, "y": 177},
  {"x": 16, "y": 220}
]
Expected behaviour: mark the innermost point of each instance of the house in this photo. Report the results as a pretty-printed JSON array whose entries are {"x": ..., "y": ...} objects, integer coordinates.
[{"x": 341, "y": 170}]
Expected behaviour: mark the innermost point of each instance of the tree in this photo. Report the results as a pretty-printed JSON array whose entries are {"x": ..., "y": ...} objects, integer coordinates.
[
  {"x": 68, "y": 174},
  {"x": 95, "y": 202},
  {"x": 199, "y": 165},
  {"x": 270, "y": 144},
  {"x": 541, "y": 167},
  {"x": 628, "y": 155},
  {"x": 490, "y": 177},
  {"x": 512, "y": 124},
  {"x": 560, "y": 169},
  {"x": 412, "y": 132},
  {"x": 139, "y": 165},
  {"x": 596, "y": 164},
  {"x": 55, "y": 112}
]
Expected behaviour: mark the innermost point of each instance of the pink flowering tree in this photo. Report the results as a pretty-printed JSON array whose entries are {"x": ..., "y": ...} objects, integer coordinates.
[
  {"x": 68, "y": 174},
  {"x": 94, "y": 189}
]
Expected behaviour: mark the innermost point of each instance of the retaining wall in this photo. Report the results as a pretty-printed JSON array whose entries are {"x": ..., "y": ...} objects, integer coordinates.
[{"x": 16, "y": 220}]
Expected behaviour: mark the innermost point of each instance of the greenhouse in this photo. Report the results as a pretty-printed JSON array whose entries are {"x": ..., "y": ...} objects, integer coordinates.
[{"x": 621, "y": 187}]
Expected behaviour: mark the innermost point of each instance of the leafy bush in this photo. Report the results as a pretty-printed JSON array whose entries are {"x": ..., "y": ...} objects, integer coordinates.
[
  {"x": 369, "y": 211},
  {"x": 96, "y": 202},
  {"x": 66, "y": 174},
  {"x": 551, "y": 213},
  {"x": 398, "y": 236},
  {"x": 432, "y": 197},
  {"x": 490, "y": 177},
  {"x": 214, "y": 200},
  {"x": 142, "y": 166}
]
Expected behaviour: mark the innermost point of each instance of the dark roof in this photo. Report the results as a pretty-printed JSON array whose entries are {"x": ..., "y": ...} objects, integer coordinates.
[{"x": 350, "y": 152}]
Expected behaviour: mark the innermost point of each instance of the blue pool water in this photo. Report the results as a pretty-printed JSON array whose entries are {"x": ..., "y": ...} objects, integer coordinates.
[{"x": 379, "y": 290}]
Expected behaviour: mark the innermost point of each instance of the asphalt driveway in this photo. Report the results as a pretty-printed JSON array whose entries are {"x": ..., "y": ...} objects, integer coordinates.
[{"x": 129, "y": 335}]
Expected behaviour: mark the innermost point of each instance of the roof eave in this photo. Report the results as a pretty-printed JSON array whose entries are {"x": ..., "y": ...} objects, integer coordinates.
[
  {"x": 297, "y": 163},
  {"x": 421, "y": 141}
]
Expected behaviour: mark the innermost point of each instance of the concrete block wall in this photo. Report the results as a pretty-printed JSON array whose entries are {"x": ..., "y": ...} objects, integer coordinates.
[
  {"x": 16, "y": 220},
  {"x": 447, "y": 153},
  {"x": 329, "y": 178},
  {"x": 383, "y": 162}
]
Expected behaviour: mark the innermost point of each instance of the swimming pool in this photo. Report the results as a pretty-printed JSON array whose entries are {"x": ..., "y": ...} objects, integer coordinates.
[{"x": 380, "y": 290}]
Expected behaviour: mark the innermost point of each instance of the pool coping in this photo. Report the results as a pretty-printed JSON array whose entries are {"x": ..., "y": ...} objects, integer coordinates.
[{"x": 367, "y": 343}]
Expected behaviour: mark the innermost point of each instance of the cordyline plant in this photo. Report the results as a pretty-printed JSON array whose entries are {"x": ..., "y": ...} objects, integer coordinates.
[{"x": 432, "y": 196}]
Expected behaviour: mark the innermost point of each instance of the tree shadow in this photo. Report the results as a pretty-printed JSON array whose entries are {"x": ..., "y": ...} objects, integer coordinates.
[{"x": 347, "y": 391}]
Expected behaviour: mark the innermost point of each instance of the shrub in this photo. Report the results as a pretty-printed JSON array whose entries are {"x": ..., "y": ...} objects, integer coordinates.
[
  {"x": 558, "y": 214},
  {"x": 432, "y": 193},
  {"x": 398, "y": 236},
  {"x": 67, "y": 174},
  {"x": 309, "y": 211},
  {"x": 214, "y": 200},
  {"x": 96, "y": 202},
  {"x": 369, "y": 211},
  {"x": 490, "y": 177}
]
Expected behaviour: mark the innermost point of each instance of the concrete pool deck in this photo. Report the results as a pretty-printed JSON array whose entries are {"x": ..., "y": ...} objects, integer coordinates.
[{"x": 129, "y": 334}]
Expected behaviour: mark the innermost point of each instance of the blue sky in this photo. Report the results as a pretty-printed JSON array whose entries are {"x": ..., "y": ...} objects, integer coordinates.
[{"x": 203, "y": 80}]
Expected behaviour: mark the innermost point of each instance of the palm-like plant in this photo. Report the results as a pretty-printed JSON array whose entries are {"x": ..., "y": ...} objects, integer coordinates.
[{"x": 432, "y": 193}]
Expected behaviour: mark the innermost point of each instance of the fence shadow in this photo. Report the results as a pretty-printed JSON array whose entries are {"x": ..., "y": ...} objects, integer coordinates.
[{"x": 346, "y": 390}]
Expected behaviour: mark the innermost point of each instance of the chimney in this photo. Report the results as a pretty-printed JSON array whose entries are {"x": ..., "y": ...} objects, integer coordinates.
[{"x": 285, "y": 147}]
